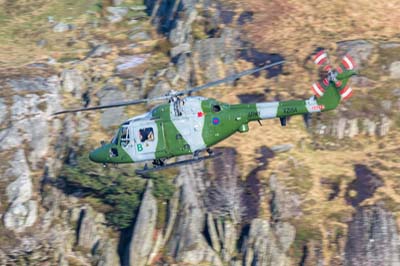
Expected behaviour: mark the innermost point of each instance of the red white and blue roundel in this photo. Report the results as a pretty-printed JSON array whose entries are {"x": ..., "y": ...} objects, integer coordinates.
[{"x": 215, "y": 121}]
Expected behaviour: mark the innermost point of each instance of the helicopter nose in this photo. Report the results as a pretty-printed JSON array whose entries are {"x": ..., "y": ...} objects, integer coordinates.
[{"x": 98, "y": 155}]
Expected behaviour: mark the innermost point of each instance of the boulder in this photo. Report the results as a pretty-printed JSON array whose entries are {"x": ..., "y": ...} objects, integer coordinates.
[
  {"x": 100, "y": 50},
  {"x": 116, "y": 13},
  {"x": 131, "y": 65},
  {"x": 72, "y": 81},
  {"x": 62, "y": 27},
  {"x": 282, "y": 148},
  {"x": 139, "y": 36},
  {"x": 143, "y": 233}
]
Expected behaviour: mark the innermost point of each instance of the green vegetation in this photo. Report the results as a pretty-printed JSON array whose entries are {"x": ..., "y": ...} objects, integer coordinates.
[
  {"x": 113, "y": 187},
  {"x": 115, "y": 191},
  {"x": 306, "y": 232}
]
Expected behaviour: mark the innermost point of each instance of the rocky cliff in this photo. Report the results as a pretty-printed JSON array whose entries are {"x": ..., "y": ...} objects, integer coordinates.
[{"x": 326, "y": 194}]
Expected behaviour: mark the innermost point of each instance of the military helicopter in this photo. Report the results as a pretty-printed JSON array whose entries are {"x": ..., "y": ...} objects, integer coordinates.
[{"x": 193, "y": 124}]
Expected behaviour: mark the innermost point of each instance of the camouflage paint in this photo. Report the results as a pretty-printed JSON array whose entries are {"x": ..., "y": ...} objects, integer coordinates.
[{"x": 205, "y": 122}]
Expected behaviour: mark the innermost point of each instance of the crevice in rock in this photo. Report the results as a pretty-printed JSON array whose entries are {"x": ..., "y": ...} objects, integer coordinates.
[
  {"x": 79, "y": 224},
  {"x": 124, "y": 243},
  {"x": 304, "y": 256}
]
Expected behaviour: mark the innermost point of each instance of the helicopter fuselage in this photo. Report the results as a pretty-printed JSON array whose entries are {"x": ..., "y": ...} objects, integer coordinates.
[{"x": 193, "y": 124}]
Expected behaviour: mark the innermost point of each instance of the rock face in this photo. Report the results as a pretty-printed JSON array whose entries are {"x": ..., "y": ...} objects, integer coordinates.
[
  {"x": 360, "y": 50},
  {"x": 22, "y": 211},
  {"x": 108, "y": 95},
  {"x": 373, "y": 238},
  {"x": 72, "y": 81},
  {"x": 187, "y": 244},
  {"x": 284, "y": 204},
  {"x": 143, "y": 234},
  {"x": 263, "y": 248}
]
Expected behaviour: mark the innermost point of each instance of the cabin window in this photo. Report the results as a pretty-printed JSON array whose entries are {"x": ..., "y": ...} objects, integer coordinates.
[
  {"x": 125, "y": 136},
  {"x": 146, "y": 134},
  {"x": 216, "y": 108},
  {"x": 115, "y": 138}
]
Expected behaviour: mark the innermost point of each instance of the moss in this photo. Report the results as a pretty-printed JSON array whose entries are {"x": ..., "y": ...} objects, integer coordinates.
[
  {"x": 198, "y": 31},
  {"x": 162, "y": 214},
  {"x": 163, "y": 46},
  {"x": 306, "y": 232}
]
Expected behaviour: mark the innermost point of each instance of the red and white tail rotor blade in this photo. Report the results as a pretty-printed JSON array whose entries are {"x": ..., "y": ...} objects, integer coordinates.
[
  {"x": 317, "y": 89},
  {"x": 348, "y": 62},
  {"x": 321, "y": 58},
  {"x": 346, "y": 92}
]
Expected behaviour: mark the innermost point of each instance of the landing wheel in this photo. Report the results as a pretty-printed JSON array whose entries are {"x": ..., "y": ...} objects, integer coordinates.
[
  {"x": 158, "y": 162},
  {"x": 210, "y": 152}
]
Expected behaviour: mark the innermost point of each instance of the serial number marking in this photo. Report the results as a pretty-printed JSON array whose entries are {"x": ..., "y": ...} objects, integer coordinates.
[
  {"x": 253, "y": 114},
  {"x": 289, "y": 110},
  {"x": 318, "y": 107}
]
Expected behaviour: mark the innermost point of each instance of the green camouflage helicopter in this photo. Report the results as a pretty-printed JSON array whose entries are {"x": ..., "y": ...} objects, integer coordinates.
[{"x": 193, "y": 124}]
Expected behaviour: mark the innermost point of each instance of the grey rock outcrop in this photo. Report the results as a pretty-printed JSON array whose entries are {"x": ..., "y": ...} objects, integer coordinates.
[
  {"x": 116, "y": 13},
  {"x": 22, "y": 211},
  {"x": 187, "y": 243},
  {"x": 62, "y": 27},
  {"x": 373, "y": 238},
  {"x": 395, "y": 70},
  {"x": 3, "y": 111},
  {"x": 72, "y": 81},
  {"x": 284, "y": 204},
  {"x": 262, "y": 247},
  {"x": 108, "y": 95},
  {"x": 143, "y": 234},
  {"x": 360, "y": 50},
  {"x": 100, "y": 50}
]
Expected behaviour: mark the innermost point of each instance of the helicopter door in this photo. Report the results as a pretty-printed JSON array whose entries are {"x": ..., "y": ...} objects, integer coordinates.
[
  {"x": 126, "y": 140},
  {"x": 146, "y": 139}
]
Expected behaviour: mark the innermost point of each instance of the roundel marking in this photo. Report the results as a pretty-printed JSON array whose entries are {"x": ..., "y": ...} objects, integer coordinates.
[{"x": 215, "y": 121}]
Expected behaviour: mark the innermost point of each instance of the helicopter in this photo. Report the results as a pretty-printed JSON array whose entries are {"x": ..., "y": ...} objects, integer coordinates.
[{"x": 191, "y": 125}]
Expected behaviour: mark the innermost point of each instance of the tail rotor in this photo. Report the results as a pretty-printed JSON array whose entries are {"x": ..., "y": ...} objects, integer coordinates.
[{"x": 337, "y": 76}]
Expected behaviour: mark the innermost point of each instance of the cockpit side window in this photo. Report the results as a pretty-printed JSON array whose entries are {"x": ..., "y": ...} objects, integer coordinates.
[
  {"x": 125, "y": 136},
  {"x": 146, "y": 134},
  {"x": 216, "y": 108}
]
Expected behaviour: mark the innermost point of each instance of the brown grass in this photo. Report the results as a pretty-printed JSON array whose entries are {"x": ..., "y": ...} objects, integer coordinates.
[{"x": 300, "y": 26}]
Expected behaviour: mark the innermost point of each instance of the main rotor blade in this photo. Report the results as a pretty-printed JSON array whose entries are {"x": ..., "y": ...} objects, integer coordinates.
[
  {"x": 112, "y": 105},
  {"x": 230, "y": 78}
]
